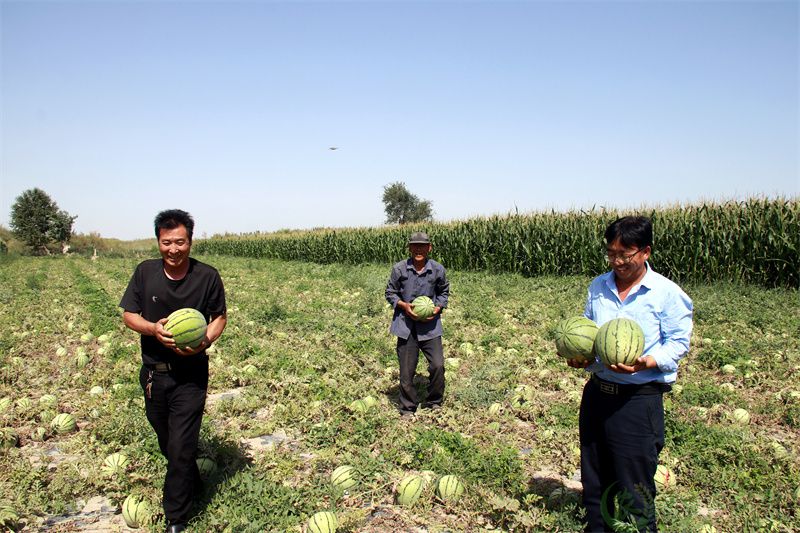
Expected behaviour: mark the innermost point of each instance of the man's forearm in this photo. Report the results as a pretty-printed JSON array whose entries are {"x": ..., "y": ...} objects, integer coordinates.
[{"x": 139, "y": 324}]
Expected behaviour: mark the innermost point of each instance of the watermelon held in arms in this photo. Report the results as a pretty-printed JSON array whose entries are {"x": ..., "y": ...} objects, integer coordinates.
[
  {"x": 619, "y": 341},
  {"x": 188, "y": 327},
  {"x": 423, "y": 307},
  {"x": 575, "y": 338}
]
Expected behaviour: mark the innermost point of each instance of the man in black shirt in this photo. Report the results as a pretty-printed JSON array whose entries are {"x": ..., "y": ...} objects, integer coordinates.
[{"x": 174, "y": 380}]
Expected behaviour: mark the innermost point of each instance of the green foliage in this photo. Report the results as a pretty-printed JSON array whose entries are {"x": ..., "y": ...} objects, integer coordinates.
[
  {"x": 756, "y": 241},
  {"x": 402, "y": 207},
  {"x": 36, "y": 220}
]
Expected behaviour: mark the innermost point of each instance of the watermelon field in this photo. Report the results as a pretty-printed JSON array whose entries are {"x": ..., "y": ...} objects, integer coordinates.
[{"x": 305, "y": 341}]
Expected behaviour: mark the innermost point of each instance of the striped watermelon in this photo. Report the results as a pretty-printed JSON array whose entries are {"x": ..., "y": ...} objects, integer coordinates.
[
  {"x": 114, "y": 464},
  {"x": 188, "y": 327},
  {"x": 134, "y": 512},
  {"x": 322, "y": 522},
  {"x": 449, "y": 488},
  {"x": 423, "y": 307},
  {"x": 345, "y": 477},
  {"x": 206, "y": 466},
  {"x": 409, "y": 490},
  {"x": 63, "y": 423},
  {"x": 619, "y": 341},
  {"x": 575, "y": 337}
]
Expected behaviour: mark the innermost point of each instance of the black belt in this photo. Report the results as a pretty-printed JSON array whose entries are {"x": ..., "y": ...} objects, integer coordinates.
[
  {"x": 621, "y": 389},
  {"x": 159, "y": 367}
]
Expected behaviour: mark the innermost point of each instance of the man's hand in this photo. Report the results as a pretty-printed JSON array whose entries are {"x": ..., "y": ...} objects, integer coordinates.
[
  {"x": 643, "y": 363},
  {"x": 163, "y": 336},
  {"x": 185, "y": 352},
  {"x": 436, "y": 311},
  {"x": 408, "y": 309},
  {"x": 579, "y": 362}
]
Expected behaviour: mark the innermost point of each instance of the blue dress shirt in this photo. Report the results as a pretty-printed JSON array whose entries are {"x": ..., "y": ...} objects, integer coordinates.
[
  {"x": 405, "y": 284},
  {"x": 663, "y": 311}
]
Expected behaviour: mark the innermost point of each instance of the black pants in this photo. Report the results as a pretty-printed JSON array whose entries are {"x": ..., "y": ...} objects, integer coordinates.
[
  {"x": 175, "y": 410},
  {"x": 621, "y": 436},
  {"x": 408, "y": 356}
]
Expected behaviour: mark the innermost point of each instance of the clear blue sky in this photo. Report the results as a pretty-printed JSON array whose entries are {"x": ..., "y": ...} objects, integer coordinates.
[{"x": 227, "y": 109}]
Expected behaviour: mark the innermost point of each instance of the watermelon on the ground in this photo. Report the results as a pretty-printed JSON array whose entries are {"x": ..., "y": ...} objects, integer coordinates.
[
  {"x": 409, "y": 490},
  {"x": 575, "y": 337},
  {"x": 322, "y": 522},
  {"x": 188, "y": 327},
  {"x": 423, "y": 307},
  {"x": 449, "y": 488},
  {"x": 619, "y": 341},
  {"x": 345, "y": 477}
]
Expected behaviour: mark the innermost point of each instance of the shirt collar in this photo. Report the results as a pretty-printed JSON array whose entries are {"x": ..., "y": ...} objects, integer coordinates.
[
  {"x": 410, "y": 265},
  {"x": 647, "y": 281}
]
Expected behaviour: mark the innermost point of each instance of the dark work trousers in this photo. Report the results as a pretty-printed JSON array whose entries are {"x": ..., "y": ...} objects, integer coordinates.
[
  {"x": 621, "y": 436},
  {"x": 175, "y": 410},
  {"x": 408, "y": 356}
]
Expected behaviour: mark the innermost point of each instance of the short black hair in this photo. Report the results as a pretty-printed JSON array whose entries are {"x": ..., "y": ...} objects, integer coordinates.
[
  {"x": 171, "y": 219},
  {"x": 631, "y": 231}
]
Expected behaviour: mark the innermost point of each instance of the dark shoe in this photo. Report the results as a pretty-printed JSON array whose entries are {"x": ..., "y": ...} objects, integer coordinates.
[
  {"x": 176, "y": 528},
  {"x": 406, "y": 414}
]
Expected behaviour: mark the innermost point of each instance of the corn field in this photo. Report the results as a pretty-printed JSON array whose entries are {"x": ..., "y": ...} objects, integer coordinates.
[{"x": 754, "y": 241}]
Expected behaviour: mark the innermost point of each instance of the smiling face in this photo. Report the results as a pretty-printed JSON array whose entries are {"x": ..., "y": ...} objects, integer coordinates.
[
  {"x": 628, "y": 262},
  {"x": 174, "y": 246},
  {"x": 419, "y": 252}
]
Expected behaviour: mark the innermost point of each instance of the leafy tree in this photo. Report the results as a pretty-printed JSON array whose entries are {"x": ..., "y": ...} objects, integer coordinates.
[
  {"x": 36, "y": 220},
  {"x": 402, "y": 207}
]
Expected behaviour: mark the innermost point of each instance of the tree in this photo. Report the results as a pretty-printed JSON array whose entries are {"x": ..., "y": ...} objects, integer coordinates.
[
  {"x": 36, "y": 220},
  {"x": 402, "y": 207}
]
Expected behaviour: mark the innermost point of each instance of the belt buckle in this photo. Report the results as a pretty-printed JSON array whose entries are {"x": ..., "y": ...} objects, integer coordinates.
[
  {"x": 163, "y": 367},
  {"x": 608, "y": 388}
]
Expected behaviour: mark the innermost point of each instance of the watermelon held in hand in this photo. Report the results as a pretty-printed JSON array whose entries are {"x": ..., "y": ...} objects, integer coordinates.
[
  {"x": 188, "y": 327},
  {"x": 423, "y": 307},
  {"x": 575, "y": 338},
  {"x": 619, "y": 341}
]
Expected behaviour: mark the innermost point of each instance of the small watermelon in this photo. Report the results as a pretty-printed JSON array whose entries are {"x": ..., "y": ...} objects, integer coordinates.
[
  {"x": 449, "y": 488},
  {"x": 619, "y": 341},
  {"x": 188, "y": 327},
  {"x": 134, "y": 512},
  {"x": 575, "y": 338},
  {"x": 740, "y": 416},
  {"x": 48, "y": 400},
  {"x": 63, "y": 423},
  {"x": 114, "y": 464},
  {"x": 345, "y": 477},
  {"x": 409, "y": 490},
  {"x": 423, "y": 307},
  {"x": 359, "y": 406},
  {"x": 8, "y": 438},
  {"x": 206, "y": 466},
  {"x": 322, "y": 522},
  {"x": 38, "y": 434},
  {"x": 5, "y": 403}
]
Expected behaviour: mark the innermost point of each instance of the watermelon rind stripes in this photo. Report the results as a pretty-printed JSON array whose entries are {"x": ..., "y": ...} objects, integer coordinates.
[
  {"x": 322, "y": 522},
  {"x": 619, "y": 341}
]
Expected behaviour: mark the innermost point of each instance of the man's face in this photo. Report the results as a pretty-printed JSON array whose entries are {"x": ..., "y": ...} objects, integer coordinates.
[
  {"x": 419, "y": 252},
  {"x": 174, "y": 245},
  {"x": 628, "y": 262}
]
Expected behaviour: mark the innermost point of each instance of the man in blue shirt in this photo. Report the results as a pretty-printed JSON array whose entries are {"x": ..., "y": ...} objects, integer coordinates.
[
  {"x": 622, "y": 412},
  {"x": 418, "y": 276}
]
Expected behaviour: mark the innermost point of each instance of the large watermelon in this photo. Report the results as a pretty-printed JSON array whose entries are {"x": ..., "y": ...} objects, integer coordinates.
[
  {"x": 575, "y": 337},
  {"x": 188, "y": 327},
  {"x": 449, "y": 488},
  {"x": 619, "y": 341},
  {"x": 135, "y": 512},
  {"x": 423, "y": 307}
]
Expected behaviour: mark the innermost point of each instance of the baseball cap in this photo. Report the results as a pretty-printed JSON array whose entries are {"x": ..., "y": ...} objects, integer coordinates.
[{"x": 419, "y": 238}]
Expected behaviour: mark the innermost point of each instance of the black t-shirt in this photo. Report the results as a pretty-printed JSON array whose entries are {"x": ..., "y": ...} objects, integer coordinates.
[{"x": 153, "y": 295}]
